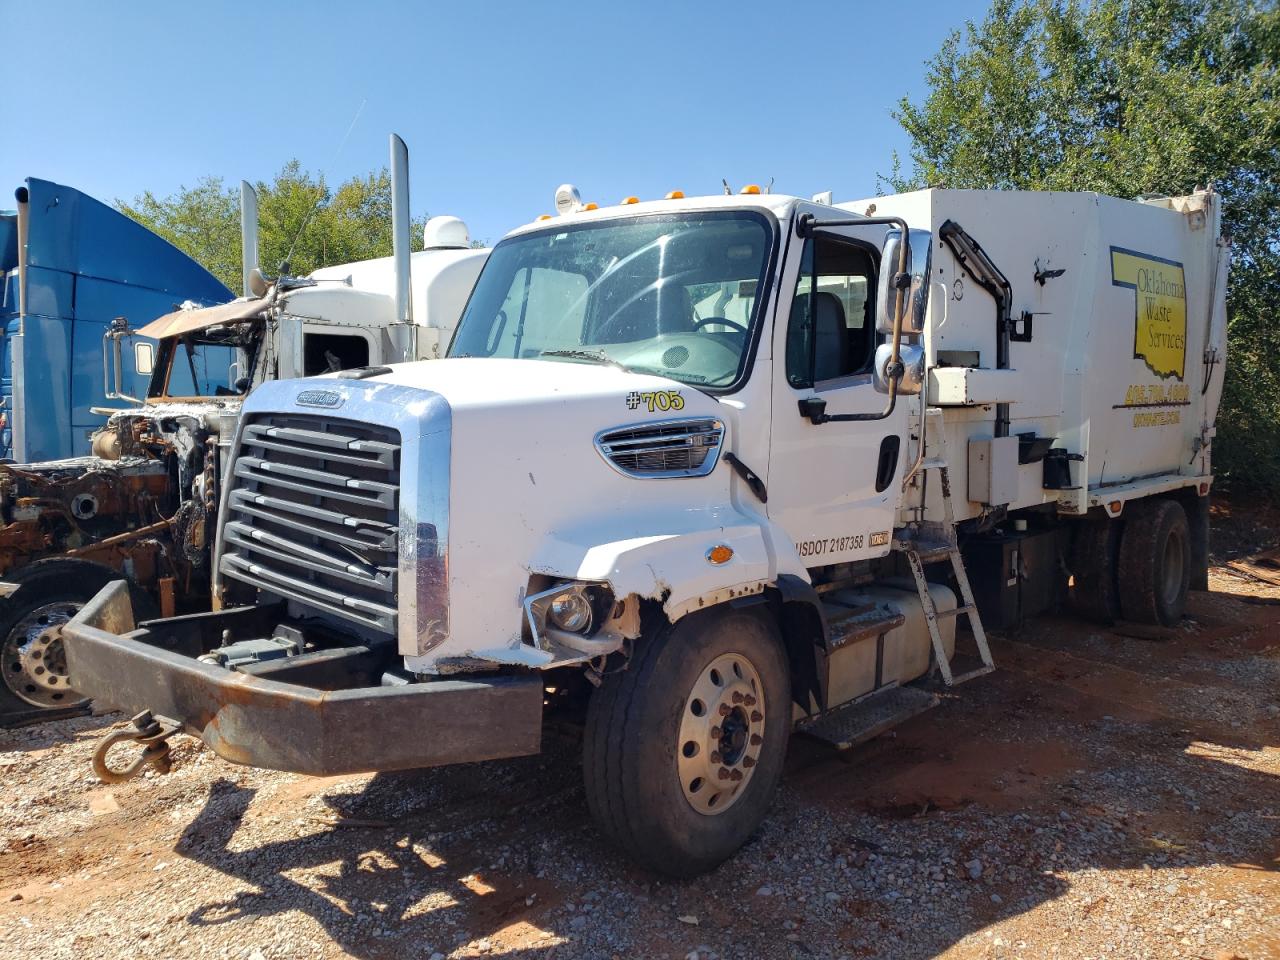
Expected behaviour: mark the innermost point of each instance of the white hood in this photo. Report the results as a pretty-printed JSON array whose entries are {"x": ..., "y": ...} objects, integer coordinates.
[{"x": 469, "y": 383}]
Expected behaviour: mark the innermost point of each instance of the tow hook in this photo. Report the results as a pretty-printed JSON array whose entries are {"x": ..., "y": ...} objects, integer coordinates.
[{"x": 152, "y": 733}]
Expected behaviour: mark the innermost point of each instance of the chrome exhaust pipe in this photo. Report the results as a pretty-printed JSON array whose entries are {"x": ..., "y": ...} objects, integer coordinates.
[
  {"x": 248, "y": 235},
  {"x": 402, "y": 335},
  {"x": 24, "y": 225}
]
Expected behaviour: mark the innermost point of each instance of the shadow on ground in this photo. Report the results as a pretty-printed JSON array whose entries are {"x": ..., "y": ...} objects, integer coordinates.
[{"x": 1087, "y": 751}]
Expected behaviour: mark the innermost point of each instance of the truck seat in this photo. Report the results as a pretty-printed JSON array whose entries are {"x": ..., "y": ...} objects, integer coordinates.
[{"x": 833, "y": 355}]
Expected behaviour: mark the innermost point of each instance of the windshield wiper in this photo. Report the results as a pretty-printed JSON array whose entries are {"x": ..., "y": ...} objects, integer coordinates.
[
  {"x": 595, "y": 356},
  {"x": 665, "y": 374}
]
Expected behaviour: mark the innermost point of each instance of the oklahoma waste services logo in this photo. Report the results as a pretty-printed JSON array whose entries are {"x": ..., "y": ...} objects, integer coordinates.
[{"x": 1160, "y": 309}]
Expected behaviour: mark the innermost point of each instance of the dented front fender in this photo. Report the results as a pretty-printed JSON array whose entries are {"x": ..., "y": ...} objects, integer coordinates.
[{"x": 670, "y": 562}]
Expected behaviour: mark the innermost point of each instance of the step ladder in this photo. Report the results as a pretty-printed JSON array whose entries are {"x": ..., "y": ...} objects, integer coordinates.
[
  {"x": 850, "y": 619},
  {"x": 937, "y": 545},
  {"x": 869, "y": 716}
]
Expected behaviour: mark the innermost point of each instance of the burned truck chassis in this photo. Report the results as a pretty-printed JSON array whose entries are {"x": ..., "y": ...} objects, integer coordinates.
[{"x": 141, "y": 508}]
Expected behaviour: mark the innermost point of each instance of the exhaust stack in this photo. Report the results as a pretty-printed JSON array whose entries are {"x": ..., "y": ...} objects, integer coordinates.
[
  {"x": 403, "y": 334},
  {"x": 24, "y": 226},
  {"x": 248, "y": 236}
]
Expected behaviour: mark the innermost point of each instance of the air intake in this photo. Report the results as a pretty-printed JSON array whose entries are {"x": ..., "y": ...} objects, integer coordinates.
[{"x": 669, "y": 448}]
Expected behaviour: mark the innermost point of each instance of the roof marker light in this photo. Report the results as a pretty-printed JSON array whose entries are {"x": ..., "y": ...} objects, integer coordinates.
[
  {"x": 591, "y": 205},
  {"x": 545, "y": 216},
  {"x": 751, "y": 188},
  {"x": 626, "y": 200},
  {"x": 675, "y": 195}
]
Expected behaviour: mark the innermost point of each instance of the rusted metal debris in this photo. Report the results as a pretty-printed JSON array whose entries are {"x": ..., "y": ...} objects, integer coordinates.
[
  {"x": 1264, "y": 566},
  {"x": 130, "y": 508}
]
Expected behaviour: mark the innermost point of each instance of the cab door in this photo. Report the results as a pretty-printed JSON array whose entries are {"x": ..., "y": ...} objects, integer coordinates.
[{"x": 833, "y": 486}]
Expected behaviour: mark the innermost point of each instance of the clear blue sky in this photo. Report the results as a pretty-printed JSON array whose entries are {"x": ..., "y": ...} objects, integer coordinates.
[{"x": 499, "y": 102}]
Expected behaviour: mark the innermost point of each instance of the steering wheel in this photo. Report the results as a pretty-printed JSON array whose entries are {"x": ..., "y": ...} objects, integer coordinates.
[{"x": 719, "y": 322}]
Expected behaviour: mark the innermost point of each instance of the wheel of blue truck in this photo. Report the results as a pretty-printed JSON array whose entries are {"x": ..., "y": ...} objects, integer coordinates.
[
  {"x": 684, "y": 748},
  {"x": 33, "y": 663},
  {"x": 1155, "y": 562}
]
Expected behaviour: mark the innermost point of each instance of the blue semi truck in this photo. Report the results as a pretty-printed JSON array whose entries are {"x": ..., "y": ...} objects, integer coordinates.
[{"x": 69, "y": 266}]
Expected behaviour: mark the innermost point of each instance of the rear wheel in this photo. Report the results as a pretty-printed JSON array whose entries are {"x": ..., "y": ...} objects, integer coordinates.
[
  {"x": 684, "y": 749},
  {"x": 1095, "y": 553},
  {"x": 1155, "y": 562}
]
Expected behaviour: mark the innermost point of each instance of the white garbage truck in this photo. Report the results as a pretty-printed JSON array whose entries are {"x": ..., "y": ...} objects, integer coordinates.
[{"x": 702, "y": 472}]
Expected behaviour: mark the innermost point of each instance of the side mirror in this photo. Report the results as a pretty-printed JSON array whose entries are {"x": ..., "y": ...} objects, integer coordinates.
[
  {"x": 917, "y": 292},
  {"x": 911, "y": 356}
]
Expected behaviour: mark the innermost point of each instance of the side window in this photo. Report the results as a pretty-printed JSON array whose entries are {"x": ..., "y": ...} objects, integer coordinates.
[
  {"x": 831, "y": 331},
  {"x": 331, "y": 352},
  {"x": 200, "y": 370}
]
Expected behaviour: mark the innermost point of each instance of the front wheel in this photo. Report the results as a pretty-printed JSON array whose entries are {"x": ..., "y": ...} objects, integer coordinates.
[
  {"x": 684, "y": 748},
  {"x": 34, "y": 680},
  {"x": 31, "y": 654}
]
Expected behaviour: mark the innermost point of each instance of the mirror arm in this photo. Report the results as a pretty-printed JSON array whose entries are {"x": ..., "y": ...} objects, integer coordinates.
[
  {"x": 815, "y": 407},
  {"x": 113, "y": 362}
]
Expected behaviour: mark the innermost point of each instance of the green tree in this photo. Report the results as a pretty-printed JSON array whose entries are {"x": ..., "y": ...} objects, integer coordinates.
[
  {"x": 1130, "y": 97},
  {"x": 202, "y": 221},
  {"x": 299, "y": 220}
]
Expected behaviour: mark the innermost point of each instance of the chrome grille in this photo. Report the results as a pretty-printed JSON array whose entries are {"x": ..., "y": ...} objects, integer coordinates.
[
  {"x": 669, "y": 448},
  {"x": 312, "y": 515}
]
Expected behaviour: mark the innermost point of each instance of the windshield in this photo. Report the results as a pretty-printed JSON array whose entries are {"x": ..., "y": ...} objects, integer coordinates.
[
  {"x": 214, "y": 362},
  {"x": 673, "y": 295}
]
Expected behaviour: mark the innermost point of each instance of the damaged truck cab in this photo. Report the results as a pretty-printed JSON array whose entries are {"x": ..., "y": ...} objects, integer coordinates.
[
  {"x": 143, "y": 504},
  {"x": 686, "y": 474}
]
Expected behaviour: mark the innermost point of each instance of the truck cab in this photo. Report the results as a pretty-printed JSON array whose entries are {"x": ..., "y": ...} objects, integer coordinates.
[
  {"x": 69, "y": 264},
  {"x": 686, "y": 473},
  {"x": 143, "y": 503}
]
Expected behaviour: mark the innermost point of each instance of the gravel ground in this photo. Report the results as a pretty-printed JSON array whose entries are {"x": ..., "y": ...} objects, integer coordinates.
[{"x": 1098, "y": 796}]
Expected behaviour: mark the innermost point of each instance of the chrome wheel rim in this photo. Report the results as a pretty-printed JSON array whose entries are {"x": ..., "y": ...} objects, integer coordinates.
[
  {"x": 35, "y": 663},
  {"x": 721, "y": 734}
]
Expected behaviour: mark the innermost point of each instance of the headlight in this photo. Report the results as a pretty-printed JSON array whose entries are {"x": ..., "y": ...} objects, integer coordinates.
[{"x": 571, "y": 611}]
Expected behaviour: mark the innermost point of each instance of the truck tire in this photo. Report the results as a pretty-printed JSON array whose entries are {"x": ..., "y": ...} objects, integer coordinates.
[
  {"x": 684, "y": 748},
  {"x": 1155, "y": 562},
  {"x": 1095, "y": 553},
  {"x": 33, "y": 670}
]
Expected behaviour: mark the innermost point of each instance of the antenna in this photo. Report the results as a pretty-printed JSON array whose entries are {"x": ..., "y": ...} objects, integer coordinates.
[{"x": 288, "y": 257}]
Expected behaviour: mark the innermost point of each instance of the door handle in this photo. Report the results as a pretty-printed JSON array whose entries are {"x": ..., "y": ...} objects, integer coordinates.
[{"x": 887, "y": 465}]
